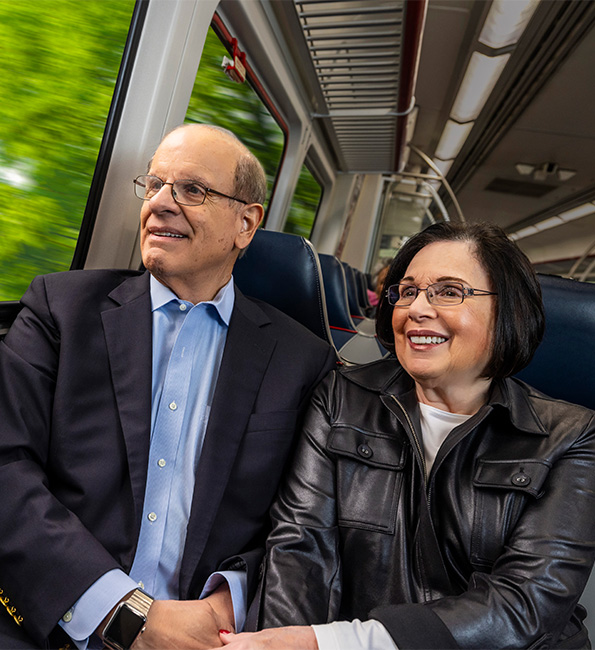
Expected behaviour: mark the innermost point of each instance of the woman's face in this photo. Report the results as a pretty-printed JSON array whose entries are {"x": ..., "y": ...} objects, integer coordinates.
[{"x": 461, "y": 335}]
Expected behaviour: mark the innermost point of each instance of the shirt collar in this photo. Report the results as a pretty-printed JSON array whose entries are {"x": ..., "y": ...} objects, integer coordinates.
[{"x": 223, "y": 301}]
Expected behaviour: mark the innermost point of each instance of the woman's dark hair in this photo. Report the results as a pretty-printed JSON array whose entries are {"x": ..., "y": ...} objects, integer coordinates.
[{"x": 520, "y": 318}]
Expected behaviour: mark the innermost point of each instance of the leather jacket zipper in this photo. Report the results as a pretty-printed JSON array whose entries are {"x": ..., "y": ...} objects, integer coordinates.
[{"x": 415, "y": 440}]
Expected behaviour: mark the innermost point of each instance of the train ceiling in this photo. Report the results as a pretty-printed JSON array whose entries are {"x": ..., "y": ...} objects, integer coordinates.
[{"x": 522, "y": 155}]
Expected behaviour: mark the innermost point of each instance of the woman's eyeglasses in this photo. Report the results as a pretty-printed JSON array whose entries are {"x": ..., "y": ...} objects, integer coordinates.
[{"x": 439, "y": 293}]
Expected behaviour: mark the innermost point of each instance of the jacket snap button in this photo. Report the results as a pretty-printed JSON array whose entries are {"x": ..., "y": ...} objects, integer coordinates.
[
  {"x": 520, "y": 479},
  {"x": 364, "y": 451}
]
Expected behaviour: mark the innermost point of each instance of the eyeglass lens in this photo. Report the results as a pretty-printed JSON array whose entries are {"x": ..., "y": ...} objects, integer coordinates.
[
  {"x": 184, "y": 191},
  {"x": 440, "y": 293}
]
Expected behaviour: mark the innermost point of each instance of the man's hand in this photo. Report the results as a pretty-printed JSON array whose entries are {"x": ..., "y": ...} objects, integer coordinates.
[
  {"x": 187, "y": 623},
  {"x": 193, "y": 624}
]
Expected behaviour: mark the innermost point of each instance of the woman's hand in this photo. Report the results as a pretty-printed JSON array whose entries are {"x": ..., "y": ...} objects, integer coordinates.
[{"x": 277, "y": 638}]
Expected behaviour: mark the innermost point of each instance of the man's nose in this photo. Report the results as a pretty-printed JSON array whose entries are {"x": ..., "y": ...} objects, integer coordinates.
[{"x": 164, "y": 198}]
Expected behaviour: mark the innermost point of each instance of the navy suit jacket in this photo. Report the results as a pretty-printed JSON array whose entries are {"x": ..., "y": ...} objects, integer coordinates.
[{"x": 75, "y": 381}]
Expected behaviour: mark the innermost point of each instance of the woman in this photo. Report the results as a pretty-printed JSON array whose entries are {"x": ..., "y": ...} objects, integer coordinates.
[{"x": 436, "y": 498}]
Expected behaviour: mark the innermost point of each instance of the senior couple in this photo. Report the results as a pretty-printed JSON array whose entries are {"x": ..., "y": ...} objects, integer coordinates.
[{"x": 147, "y": 420}]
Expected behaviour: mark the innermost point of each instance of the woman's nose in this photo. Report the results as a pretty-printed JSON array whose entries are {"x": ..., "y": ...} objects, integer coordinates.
[{"x": 421, "y": 306}]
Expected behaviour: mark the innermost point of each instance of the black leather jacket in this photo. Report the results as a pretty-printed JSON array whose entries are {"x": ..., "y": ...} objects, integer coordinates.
[{"x": 491, "y": 550}]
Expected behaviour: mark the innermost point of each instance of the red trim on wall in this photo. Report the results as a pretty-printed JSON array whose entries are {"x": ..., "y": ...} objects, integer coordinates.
[{"x": 228, "y": 38}]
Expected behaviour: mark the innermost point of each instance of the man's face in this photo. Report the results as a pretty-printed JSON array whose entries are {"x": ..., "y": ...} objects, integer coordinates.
[{"x": 192, "y": 249}]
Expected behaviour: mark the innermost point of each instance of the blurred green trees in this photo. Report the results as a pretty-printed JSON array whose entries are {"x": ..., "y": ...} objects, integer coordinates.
[{"x": 60, "y": 60}]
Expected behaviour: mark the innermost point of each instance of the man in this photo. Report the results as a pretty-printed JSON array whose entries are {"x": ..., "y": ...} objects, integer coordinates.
[{"x": 146, "y": 419}]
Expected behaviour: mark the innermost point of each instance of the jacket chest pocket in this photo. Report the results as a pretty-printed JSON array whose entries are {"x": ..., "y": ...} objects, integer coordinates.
[
  {"x": 369, "y": 477},
  {"x": 502, "y": 488}
]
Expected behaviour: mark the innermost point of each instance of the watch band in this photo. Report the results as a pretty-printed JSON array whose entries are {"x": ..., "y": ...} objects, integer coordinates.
[{"x": 141, "y": 601}]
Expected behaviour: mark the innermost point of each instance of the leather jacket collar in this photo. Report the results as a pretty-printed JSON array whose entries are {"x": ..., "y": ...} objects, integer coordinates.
[{"x": 387, "y": 377}]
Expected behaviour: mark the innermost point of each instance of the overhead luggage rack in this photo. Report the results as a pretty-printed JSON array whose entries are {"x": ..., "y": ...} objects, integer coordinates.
[{"x": 356, "y": 54}]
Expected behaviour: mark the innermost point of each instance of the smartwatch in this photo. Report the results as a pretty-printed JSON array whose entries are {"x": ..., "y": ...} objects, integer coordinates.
[{"x": 128, "y": 621}]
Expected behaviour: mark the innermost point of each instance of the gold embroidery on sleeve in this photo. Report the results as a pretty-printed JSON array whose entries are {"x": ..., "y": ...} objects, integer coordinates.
[{"x": 5, "y": 600}]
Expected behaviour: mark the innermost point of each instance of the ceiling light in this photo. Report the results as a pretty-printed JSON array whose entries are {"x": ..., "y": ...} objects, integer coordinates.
[
  {"x": 506, "y": 21},
  {"x": 577, "y": 213},
  {"x": 525, "y": 232},
  {"x": 552, "y": 222},
  {"x": 524, "y": 169},
  {"x": 480, "y": 78},
  {"x": 565, "y": 174},
  {"x": 452, "y": 139}
]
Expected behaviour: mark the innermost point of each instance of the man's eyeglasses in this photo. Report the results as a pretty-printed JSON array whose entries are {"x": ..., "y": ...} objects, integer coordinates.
[
  {"x": 185, "y": 192},
  {"x": 439, "y": 293}
]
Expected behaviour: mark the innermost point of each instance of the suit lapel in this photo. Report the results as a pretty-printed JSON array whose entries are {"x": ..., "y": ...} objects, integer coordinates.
[
  {"x": 248, "y": 349},
  {"x": 128, "y": 334}
]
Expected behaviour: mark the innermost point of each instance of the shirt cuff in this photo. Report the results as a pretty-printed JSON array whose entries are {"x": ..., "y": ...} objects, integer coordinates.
[
  {"x": 353, "y": 635},
  {"x": 238, "y": 588},
  {"x": 84, "y": 617}
]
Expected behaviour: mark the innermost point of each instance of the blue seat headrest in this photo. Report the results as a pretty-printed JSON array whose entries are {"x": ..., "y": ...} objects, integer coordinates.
[
  {"x": 284, "y": 271},
  {"x": 564, "y": 364},
  {"x": 335, "y": 290}
]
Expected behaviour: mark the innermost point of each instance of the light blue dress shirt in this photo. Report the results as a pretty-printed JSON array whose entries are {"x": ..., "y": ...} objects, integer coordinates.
[{"x": 188, "y": 343}]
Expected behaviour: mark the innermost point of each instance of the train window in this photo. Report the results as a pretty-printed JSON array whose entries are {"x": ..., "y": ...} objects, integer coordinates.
[
  {"x": 216, "y": 99},
  {"x": 405, "y": 211},
  {"x": 304, "y": 204},
  {"x": 59, "y": 69}
]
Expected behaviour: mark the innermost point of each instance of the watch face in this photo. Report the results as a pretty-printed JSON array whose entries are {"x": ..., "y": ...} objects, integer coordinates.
[{"x": 124, "y": 627}]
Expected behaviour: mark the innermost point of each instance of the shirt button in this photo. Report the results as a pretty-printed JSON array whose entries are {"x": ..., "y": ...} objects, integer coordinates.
[
  {"x": 68, "y": 616},
  {"x": 152, "y": 516},
  {"x": 141, "y": 584},
  {"x": 173, "y": 406},
  {"x": 182, "y": 307},
  {"x": 161, "y": 462}
]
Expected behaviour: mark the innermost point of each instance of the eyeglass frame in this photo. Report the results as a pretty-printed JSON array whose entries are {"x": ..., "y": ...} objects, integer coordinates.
[
  {"x": 466, "y": 292},
  {"x": 207, "y": 190}
]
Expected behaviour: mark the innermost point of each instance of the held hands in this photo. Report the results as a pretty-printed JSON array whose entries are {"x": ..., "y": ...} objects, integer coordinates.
[
  {"x": 280, "y": 638},
  {"x": 192, "y": 624}
]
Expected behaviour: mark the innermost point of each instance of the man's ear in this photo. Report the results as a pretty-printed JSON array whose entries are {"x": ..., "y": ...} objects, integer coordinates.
[{"x": 251, "y": 217}]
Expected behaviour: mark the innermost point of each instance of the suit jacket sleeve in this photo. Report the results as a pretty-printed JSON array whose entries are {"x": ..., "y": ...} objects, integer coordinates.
[{"x": 48, "y": 557}]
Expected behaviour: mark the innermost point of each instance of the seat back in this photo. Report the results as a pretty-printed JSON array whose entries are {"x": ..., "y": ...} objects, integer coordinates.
[
  {"x": 362, "y": 291},
  {"x": 354, "y": 307},
  {"x": 564, "y": 364},
  {"x": 335, "y": 291},
  {"x": 284, "y": 271}
]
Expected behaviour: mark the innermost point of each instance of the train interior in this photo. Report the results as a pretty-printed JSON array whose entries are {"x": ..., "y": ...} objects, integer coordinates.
[{"x": 398, "y": 113}]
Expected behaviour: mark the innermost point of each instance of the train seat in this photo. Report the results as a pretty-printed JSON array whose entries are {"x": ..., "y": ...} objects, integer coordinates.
[
  {"x": 284, "y": 271},
  {"x": 362, "y": 291},
  {"x": 355, "y": 308},
  {"x": 358, "y": 310},
  {"x": 354, "y": 346},
  {"x": 564, "y": 364}
]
